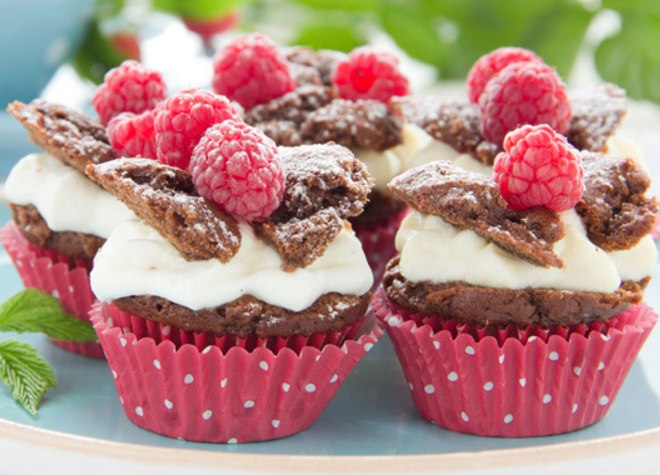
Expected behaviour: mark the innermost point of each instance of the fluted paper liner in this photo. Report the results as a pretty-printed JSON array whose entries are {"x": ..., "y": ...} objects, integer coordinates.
[
  {"x": 199, "y": 391},
  {"x": 655, "y": 232},
  {"x": 514, "y": 382},
  {"x": 56, "y": 274},
  {"x": 378, "y": 243}
]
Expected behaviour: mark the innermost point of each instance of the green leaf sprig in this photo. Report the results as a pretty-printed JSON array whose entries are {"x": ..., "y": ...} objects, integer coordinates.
[{"x": 27, "y": 375}]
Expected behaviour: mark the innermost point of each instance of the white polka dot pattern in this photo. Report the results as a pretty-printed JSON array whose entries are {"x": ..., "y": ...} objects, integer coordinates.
[
  {"x": 206, "y": 415},
  {"x": 453, "y": 376},
  {"x": 188, "y": 379},
  {"x": 429, "y": 389},
  {"x": 464, "y": 416}
]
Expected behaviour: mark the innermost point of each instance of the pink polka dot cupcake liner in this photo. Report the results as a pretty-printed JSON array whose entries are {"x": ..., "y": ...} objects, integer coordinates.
[
  {"x": 203, "y": 388},
  {"x": 513, "y": 382},
  {"x": 378, "y": 243},
  {"x": 56, "y": 274}
]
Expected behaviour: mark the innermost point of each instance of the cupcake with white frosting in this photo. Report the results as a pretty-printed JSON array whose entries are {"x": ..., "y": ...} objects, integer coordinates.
[
  {"x": 61, "y": 218},
  {"x": 516, "y": 303},
  {"x": 231, "y": 323}
]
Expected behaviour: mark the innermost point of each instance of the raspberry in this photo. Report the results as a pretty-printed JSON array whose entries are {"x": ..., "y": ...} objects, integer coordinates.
[
  {"x": 181, "y": 120},
  {"x": 207, "y": 28},
  {"x": 131, "y": 87},
  {"x": 238, "y": 168},
  {"x": 370, "y": 74},
  {"x": 523, "y": 93},
  {"x": 492, "y": 63},
  {"x": 251, "y": 71},
  {"x": 132, "y": 135},
  {"x": 539, "y": 168}
]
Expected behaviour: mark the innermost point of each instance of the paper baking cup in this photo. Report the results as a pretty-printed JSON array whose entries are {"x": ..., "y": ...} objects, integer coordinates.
[
  {"x": 199, "y": 391},
  {"x": 378, "y": 243},
  {"x": 56, "y": 274},
  {"x": 511, "y": 382}
]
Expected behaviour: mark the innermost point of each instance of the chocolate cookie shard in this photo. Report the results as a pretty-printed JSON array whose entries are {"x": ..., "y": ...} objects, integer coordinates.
[
  {"x": 325, "y": 184},
  {"x": 489, "y": 306},
  {"x": 293, "y": 107},
  {"x": 355, "y": 124},
  {"x": 73, "y": 137},
  {"x": 35, "y": 229},
  {"x": 471, "y": 201},
  {"x": 322, "y": 61},
  {"x": 248, "y": 315},
  {"x": 283, "y": 133},
  {"x": 454, "y": 123},
  {"x": 614, "y": 208},
  {"x": 596, "y": 114},
  {"x": 165, "y": 198}
]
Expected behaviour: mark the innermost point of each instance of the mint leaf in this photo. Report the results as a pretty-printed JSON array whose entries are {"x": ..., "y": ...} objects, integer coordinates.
[
  {"x": 25, "y": 373},
  {"x": 197, "y": 9},
  {"x": 33, "y": 311},
  {"x": 631, "y": 58},
  {"x": 335, "y": 37}
]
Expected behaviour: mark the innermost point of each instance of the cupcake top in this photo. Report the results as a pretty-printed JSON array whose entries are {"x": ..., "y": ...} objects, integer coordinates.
[
  {"x": 469, "y": 251},
  {"x": 192, "y": 265},
  {"x": 507, "y": 88},
  {"x": 54, "y": 204}
]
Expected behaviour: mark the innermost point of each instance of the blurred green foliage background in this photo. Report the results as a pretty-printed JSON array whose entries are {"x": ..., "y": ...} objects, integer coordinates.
[{"x": 446, "y": 34}]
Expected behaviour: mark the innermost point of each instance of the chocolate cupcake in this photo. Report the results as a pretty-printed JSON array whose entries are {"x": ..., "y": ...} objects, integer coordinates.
[
  {"x": 61, "y": 218},
  {"x": 515, "y": 320},
  {"x": 223, "y": 329}
]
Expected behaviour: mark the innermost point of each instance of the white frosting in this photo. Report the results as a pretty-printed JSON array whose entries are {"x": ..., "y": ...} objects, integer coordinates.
[
  {"x": 617, "y": 145},
  {"x": 65, "y": 198},
  {"x": 436, "y": 251},
  {"x": 136, "y": 260}
]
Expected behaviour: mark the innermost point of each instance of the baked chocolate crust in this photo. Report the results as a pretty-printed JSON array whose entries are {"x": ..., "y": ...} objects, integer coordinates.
[
  {"x": 614, "y": 209},
  {"x": 248, "y": 315},
  {"x": 596, "y": 114},
  {"x": 73, "y": 137},
  {"x": 365, "y": 124},
  {"x": 165, "y": 197},
  {"x": 34, "y": 228},
  {"x": 489, "y": 306},
  {"x": 471, "y": 201},
  {"x": 322, "y": 61},
  {"x": 454, "y": 123},
  {"x": 325, "y": 184}
]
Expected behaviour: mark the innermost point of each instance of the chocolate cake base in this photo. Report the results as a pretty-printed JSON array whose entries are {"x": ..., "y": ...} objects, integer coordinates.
[{"x": 489, "y": 306}]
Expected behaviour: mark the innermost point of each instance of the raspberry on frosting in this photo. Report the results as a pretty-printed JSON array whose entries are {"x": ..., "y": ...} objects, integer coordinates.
[
  {"x": 370, "y": 74},
  {"x": 130, "y": 87},
  {"x": 238, "y": 168},
  {"x": 524, "y": 93},
  {"x": 539, "y": 168},
  {"x": 251, "y": 71},
  {"x": 181, "y": 120},
  {"x": 492, "y": 63},
  {"x": 132, "y": 135}
]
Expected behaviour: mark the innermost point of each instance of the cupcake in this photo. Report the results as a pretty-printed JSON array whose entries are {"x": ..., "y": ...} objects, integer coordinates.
[
  {"x": 227, "y": 315},
  {"x": 319, "y": 98},
  {"x": 60, "y": 217},
  {"x": 470, "y": 132},
  {"x": 515, "y": 303}
]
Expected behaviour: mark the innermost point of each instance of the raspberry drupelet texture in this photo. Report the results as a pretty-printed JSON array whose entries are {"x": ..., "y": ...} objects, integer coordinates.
[
  {"x": 492, "y": 63},
  {"x": 181, "y": 120},
  {"x": 539, "y": 168},
  {"x": 251, "y": 71},
  {"x": 132, "y": 135},
  {"x": 523, "y": 93},
  {"x": 130, "y": 87},
  {"x": 238, "y": 168},
  {"x": 370, "y": 74}
]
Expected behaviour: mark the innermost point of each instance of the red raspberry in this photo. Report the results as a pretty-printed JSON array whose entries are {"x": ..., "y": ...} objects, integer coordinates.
[
  {"x": 524, "y": 93},
  {"x": 131, "y": 87},
  {"x": 539, "y": 168},
  {"x": 207, "y": 28},
  {"x": 370, "y": 74},
  {"x": 181, "y": 120},
  {"x": 238, "y": 168},
  {"x": 251, "y": 71},
  {"x": 492, "y": 63},
  {"x": 132, "y": 135}
]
